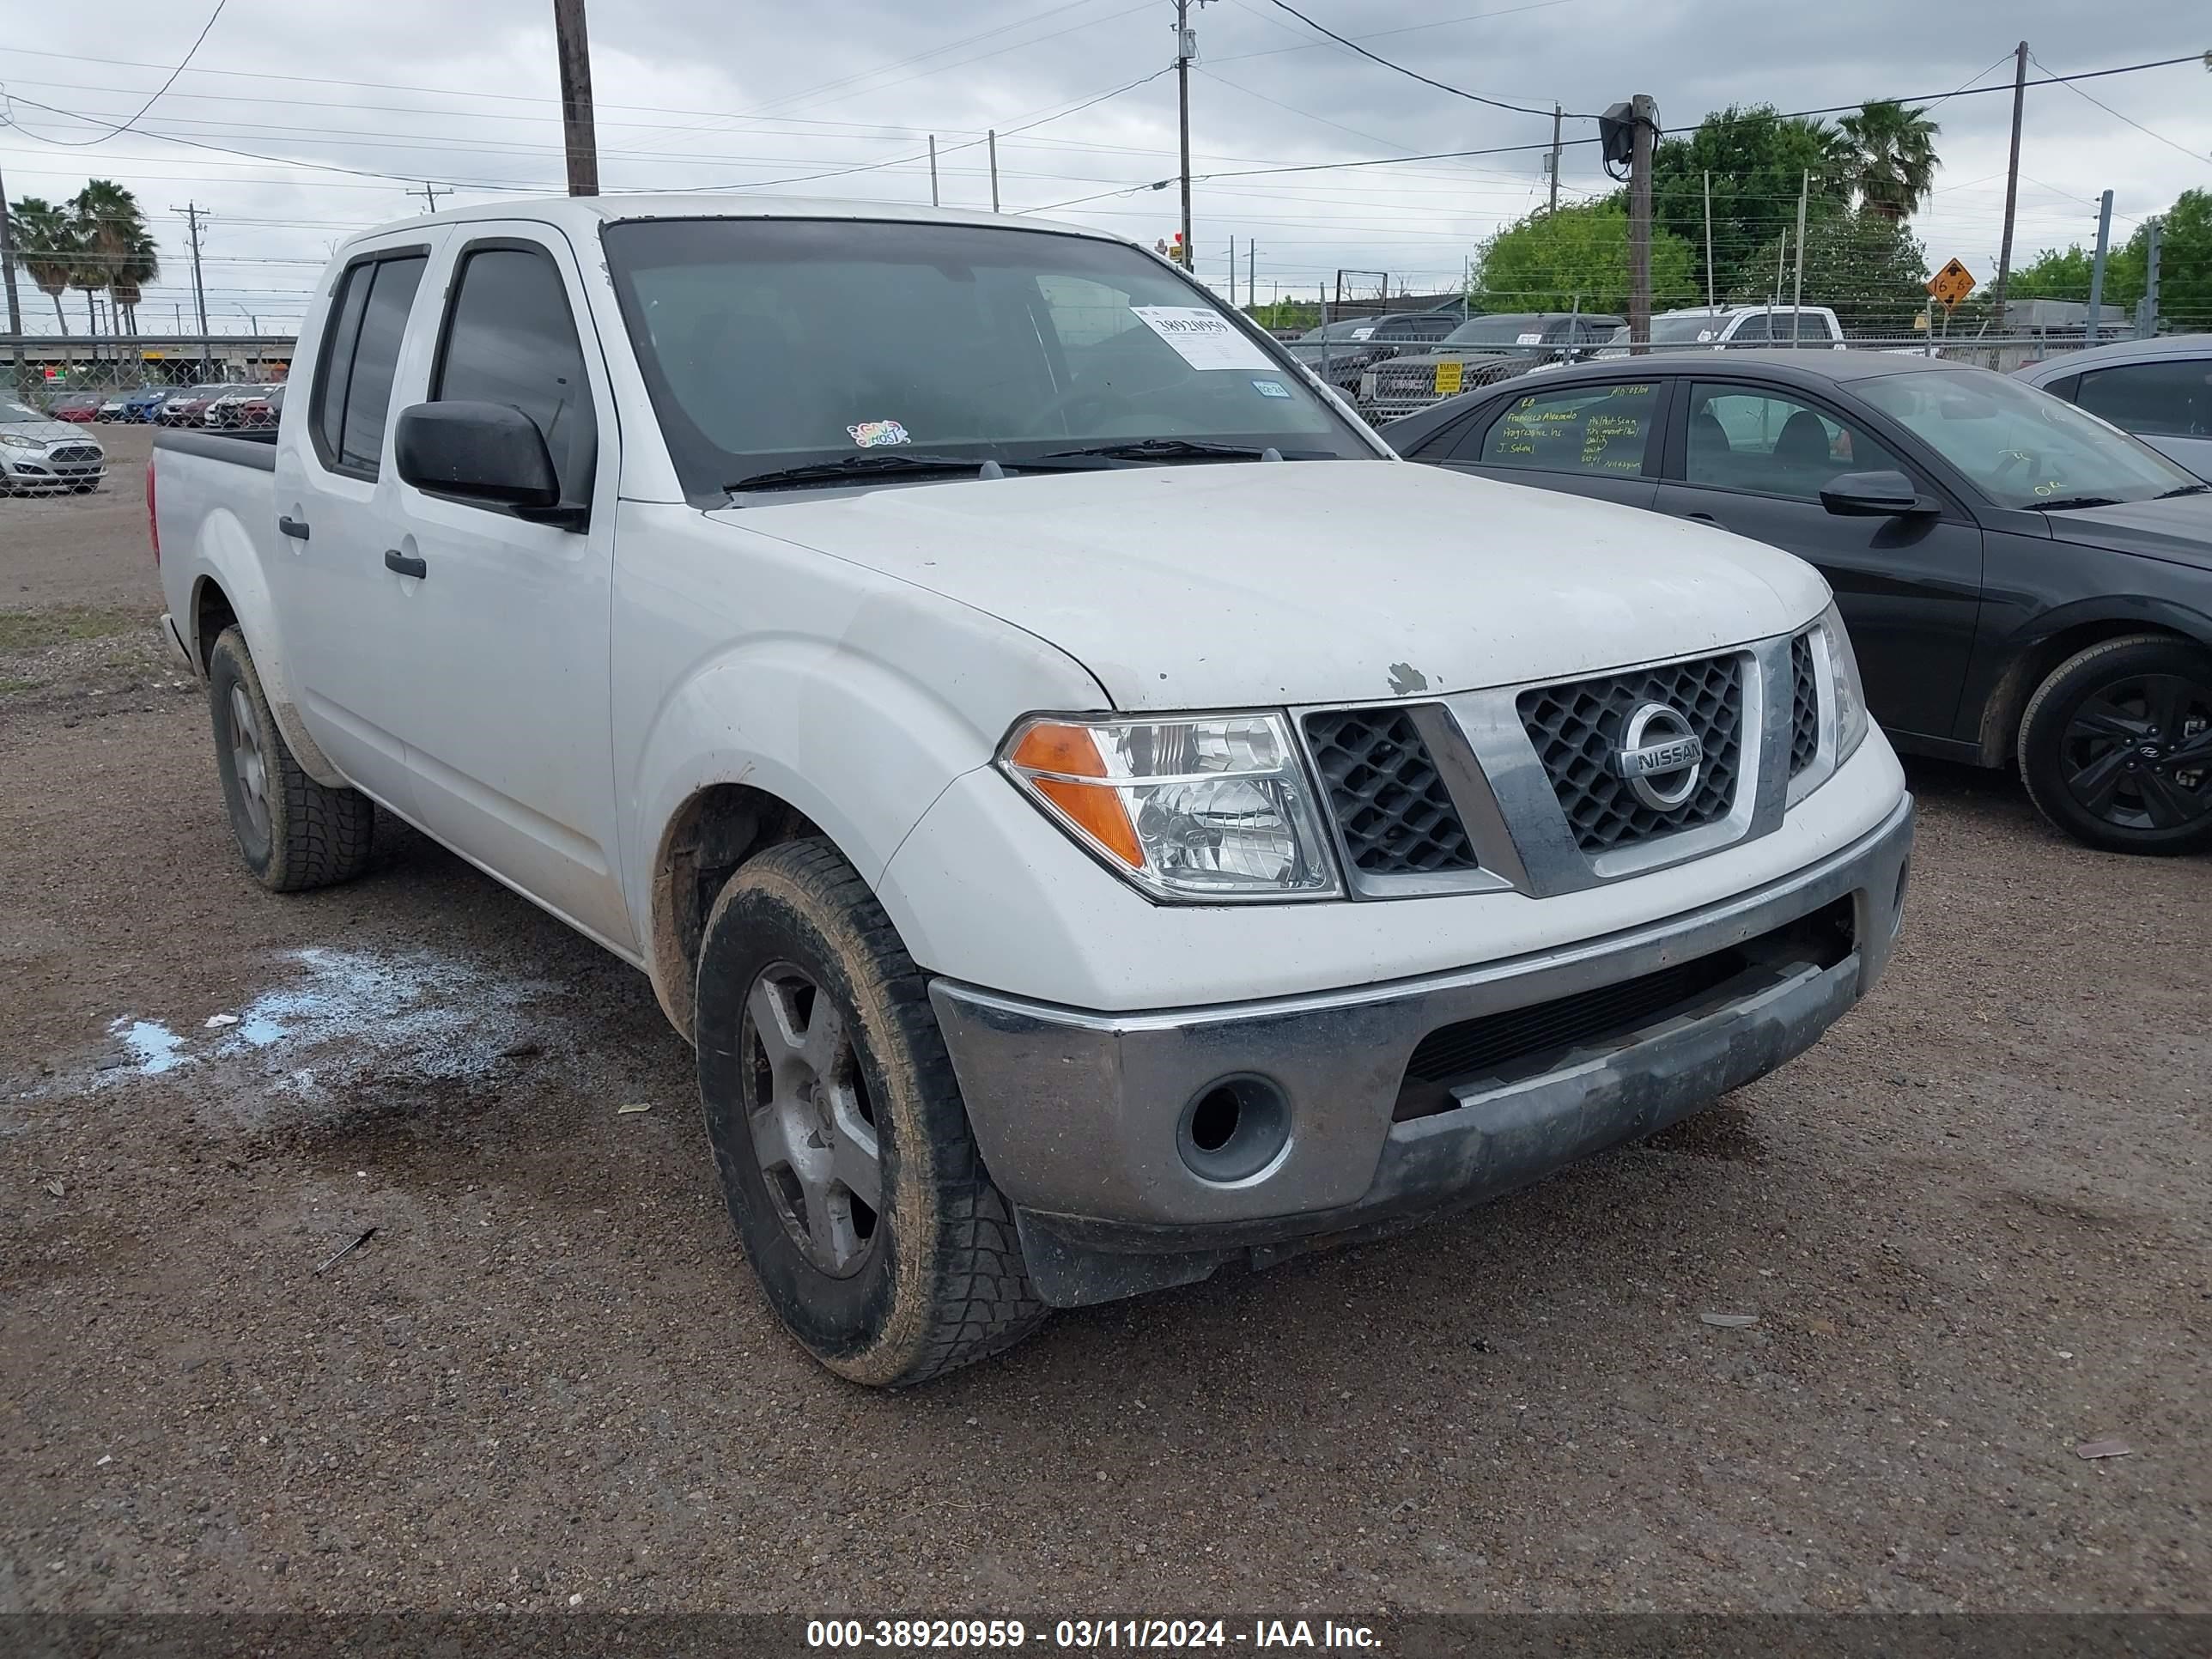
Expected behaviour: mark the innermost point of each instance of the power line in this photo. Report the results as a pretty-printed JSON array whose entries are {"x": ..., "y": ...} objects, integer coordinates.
[
  {"x": 2109, "y": 110},
  {"x": 117, "y": 132},
  {"x": 1456, "y": 92}
]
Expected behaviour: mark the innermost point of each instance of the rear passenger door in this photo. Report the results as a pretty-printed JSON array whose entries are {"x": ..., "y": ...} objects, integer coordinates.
[
  {"x": 1754, "y": 458},
  {"x": 347, "y": 623},
  {"x": 1591, "y": 438},
  {"x": 509, "y": 736}
]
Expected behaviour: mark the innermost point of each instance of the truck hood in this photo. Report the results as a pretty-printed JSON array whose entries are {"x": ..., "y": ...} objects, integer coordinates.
[
  {"x": 2178, "y": 530},
  {"x": 1220, "y": 586}
]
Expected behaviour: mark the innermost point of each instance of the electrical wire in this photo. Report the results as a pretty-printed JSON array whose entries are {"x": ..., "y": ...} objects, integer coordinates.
[
  {"x": 2169, "y": 142},
  {"x": 1456, "y": 92},
  {"x": 117, "y": 132}
]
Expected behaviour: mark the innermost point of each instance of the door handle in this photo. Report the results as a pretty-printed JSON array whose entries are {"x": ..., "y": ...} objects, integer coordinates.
[
  {"x": 1702, "y": 518},
  {"x": 294, "y": 528},
  {"x": 395, "y": 560}
]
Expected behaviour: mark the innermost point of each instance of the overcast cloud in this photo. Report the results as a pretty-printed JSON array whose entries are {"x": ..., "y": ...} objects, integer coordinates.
[{"x": 693, "y": 95}]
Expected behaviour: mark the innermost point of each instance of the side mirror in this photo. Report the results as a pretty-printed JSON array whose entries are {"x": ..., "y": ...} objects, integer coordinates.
[
  {"x": 1873, "y": 496},
  {"x": 488, "y": 453}
]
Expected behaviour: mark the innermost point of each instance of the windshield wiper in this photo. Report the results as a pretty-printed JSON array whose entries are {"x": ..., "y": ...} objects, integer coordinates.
[
  {"x": 2062, "y": 503},
  {"x": 890, "y": 464},
  {"x": 2183, "y": 489},
  {"x": 1169, "y": 449}
]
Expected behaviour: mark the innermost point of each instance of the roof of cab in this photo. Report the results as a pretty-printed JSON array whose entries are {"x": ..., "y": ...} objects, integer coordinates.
[{"x": 584, "y": 213}]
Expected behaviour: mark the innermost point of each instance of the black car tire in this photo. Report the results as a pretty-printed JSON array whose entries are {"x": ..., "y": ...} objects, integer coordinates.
[
  {"x": 935, "y": 1279},
  {"x": 2097, "y": 760},
  {"x": 293, "y": 833}
]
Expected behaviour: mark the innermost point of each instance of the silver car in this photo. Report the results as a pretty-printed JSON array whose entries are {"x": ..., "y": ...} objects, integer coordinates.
[
  {"x": 39, "y": 455},
  {"x": 2159, "y": 389}
]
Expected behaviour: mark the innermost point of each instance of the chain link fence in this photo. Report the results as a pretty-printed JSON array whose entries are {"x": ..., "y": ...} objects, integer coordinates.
[{"x": 58, "y": 374}]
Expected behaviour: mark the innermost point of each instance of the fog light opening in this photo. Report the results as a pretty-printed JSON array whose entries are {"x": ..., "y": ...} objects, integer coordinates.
[{"x": 1233, "y": 1128}]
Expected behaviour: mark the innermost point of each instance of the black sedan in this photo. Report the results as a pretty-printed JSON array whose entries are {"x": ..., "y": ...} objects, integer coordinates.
[{"x": 2023, "y": 583}]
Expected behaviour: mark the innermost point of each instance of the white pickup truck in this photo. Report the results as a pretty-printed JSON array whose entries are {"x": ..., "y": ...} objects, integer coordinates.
[{"x": 1097, "y": 815}]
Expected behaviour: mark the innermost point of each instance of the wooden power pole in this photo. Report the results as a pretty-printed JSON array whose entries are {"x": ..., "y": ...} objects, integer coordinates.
[
  {"x": 2012, "y": 182},
  {"x": 1643, "y": 116},
  {"x": 575, "y": 49},
  {"x": 14, "y": 304}
]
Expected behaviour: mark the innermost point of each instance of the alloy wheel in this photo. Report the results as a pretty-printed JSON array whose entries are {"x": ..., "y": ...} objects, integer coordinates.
[
  {"x": 813, "y": 1123},
  {"x": 2137, "y": 752}
]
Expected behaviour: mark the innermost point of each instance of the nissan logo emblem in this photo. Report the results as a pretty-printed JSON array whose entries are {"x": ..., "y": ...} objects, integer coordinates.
[{"x": 1661, "y": 757}]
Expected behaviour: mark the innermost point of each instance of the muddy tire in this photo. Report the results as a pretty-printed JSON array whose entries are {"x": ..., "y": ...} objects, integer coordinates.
[
  {"x": 2116, "y": 746},
  {"x": 293, "y": 833},
  {"x": 844, "y": 1151}
]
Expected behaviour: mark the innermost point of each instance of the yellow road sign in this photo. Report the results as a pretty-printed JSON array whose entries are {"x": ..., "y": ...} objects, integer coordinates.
[{"x": 1952, "y": 284}]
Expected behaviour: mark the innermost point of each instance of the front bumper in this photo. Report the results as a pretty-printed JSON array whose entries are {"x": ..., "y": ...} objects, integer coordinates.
[
  {"x": 1093, "y": 1124},
  {"x": 33, "y": 469}
]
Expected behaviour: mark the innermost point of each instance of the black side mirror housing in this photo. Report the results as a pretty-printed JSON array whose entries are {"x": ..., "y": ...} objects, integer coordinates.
[
  {"x": 1884, "y": 495},
  {"x": 473, "y": 451}
]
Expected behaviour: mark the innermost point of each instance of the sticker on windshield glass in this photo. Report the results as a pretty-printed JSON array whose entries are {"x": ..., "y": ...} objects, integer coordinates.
[
  {"x": 1528, "y": 339},
  {"x": 1271, "y": 388},
  {"x": 872, "y": 435},
  {"x": 1202, "y": 338}
]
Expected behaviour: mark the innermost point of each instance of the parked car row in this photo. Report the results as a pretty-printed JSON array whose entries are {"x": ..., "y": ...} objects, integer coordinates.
[
  {"x": 218, "y": 404},
  {"x": 2024, "y": 584}
]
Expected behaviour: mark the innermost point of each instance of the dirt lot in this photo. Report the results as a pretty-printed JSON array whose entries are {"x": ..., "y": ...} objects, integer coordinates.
[{"x": 1973, "y": 1224}]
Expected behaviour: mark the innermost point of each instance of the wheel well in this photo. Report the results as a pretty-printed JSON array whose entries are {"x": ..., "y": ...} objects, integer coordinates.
[
  {"x": 713, "y": 833},
  {"x": 1999, "y": 734},
  {"x": 212, "y": 614}
]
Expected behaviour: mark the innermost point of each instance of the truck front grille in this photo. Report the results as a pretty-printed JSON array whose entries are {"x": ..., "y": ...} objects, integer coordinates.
[
  {"x": 1391, "y": 805},
  {"x": 1804, "y": 706},
  {"x": 1578, "y": 730}
]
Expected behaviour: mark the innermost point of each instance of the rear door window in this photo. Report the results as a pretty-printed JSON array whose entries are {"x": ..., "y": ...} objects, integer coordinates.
[
  {"x": 2170, "y": 398},
  {"x": 360, "y": 356},
  {"x": 1601, "y": 430}
]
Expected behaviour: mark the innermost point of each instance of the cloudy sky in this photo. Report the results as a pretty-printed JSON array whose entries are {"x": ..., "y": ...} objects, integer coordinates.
[{"x": 339, "y": 110}]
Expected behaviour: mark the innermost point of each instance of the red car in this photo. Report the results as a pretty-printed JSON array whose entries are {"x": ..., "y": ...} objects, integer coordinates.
[{"x": 77, "y": 408}]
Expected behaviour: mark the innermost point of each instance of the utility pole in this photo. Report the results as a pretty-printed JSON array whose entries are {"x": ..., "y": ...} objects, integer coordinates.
[
  {"x": 193, "y": 213},
  {"x": 1797, "y": 293},
  {"x": 1554, "y": 206},
  {"x": 431, "y": 193},
  {"x": 2097, "y": 270},
  {"x": 1711, "y": 305},
  {"x": 933, "y": 202},
  {"x": 2147, "y": 309},
  {"x": 991, "y": 137},
  {"x": 14, "y": 304},
  {"x": 1643, "y": 119},
  {"x": 2012, "y": 182},
  {"x": 574, "y": 47},
  {"x": 1252, "y": 267},
  {"x": 1186, "y": 49}
]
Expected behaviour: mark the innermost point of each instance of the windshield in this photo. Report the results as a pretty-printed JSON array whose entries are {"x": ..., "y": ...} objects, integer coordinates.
[
  {"x": 1682, "y": 329},
  {"x": 16, "y": 415},
  {"x": 2022, "y": 448},
  {"x": 772, "y": 344},
  {"x": 1498, "y": 330}
]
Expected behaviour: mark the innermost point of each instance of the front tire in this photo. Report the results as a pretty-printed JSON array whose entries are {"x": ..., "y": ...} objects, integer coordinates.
[
  {"x": 2116, "y": 746},
  {"x": 293, "y": 833},
  {"x": 844, "y": 1151}
]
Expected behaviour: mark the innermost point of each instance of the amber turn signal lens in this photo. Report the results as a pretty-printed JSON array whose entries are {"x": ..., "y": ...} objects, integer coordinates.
[{"x": 1095, "y": 808}]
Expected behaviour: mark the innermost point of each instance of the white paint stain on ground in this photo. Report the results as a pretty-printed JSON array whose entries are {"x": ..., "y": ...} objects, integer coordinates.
[{"x": 349, "y": 1015}]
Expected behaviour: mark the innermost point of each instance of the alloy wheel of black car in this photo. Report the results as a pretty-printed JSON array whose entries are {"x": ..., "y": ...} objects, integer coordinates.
[{"x": 2116, "y": 747}]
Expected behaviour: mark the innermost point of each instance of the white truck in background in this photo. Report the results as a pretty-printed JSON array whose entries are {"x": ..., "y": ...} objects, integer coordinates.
[{"x": 1097, "y": 815}]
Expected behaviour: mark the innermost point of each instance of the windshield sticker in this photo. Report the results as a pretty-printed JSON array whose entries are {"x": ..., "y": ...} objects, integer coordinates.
[
  {"x": 873, "y": 435},
  {"x": 1362, "y": 333},
  {"x": 1528, "y": 339},
  {"x": 1705, "y": 334},
  {"x": 1271, "y": 388},
  {"x": 1202, "y": 337}
]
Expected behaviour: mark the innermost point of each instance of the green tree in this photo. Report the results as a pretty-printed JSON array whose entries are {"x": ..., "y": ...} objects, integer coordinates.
[
  {"x": 1577, "y": 257},
  {"x": 1890, "y": 157},
  {"x": 2184, "y": 267},
  {"x": 46, "y": 246},
  {"x": 1757, "y": 160},
  {"x": 1867, "y": 267}
]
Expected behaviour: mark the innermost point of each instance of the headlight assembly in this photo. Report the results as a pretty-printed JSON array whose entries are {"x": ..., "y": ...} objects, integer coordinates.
[{"x": 1197, "y": 807}]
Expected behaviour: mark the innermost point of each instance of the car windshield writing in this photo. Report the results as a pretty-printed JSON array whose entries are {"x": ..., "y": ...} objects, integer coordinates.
[
  {"x": 767, "y": 344},
  {"x": 2022, "y": 448}
]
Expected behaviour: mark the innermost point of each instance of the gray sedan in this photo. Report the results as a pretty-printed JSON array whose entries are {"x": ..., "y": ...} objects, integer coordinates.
[{"x": 2160, "y": 390}]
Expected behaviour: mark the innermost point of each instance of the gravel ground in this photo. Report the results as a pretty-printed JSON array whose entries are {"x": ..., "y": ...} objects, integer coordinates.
[{"x": 1971, "y": 1223}]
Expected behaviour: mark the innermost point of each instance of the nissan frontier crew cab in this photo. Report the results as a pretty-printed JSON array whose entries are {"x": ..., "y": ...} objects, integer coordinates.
[{"x": 1099, "y": 816}]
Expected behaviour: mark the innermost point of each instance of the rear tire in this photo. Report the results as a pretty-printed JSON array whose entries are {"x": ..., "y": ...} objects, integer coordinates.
[
  {"x": 844, "y": 1150},
  {"x": 2116, "y": 746},
  {"x": 293, "y": 833}
]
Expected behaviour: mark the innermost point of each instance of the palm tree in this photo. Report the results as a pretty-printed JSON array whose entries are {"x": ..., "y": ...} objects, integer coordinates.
[
  {"x": 109, "y": 227},
  {"x": 1891, "y": 158},
  {"x": 139, "y": 264},
  {"x": 46, "y": 248}
]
